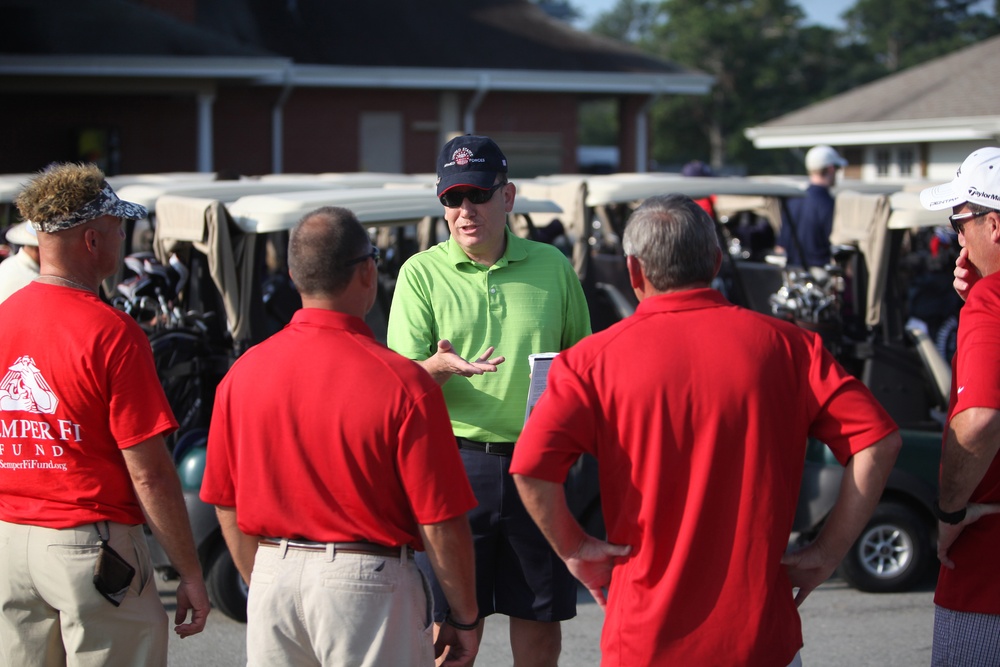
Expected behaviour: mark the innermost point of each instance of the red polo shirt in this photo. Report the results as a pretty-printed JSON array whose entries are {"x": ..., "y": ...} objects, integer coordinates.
[
  {"x": 322, "y": 433},
  {"x": 698, "y": 413},
  {"x": 973, "y": 586}
]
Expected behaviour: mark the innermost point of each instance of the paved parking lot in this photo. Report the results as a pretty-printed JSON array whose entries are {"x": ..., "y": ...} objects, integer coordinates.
[{"x": 841, "y": 625}]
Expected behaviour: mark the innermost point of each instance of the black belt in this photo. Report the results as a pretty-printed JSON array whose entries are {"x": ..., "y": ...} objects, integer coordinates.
[
  {"x": 364, "y": 548},
  {"x": 496, "y": 448}
]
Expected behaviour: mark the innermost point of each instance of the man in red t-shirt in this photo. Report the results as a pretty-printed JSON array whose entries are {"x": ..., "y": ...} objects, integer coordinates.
[
  {"x": 967, "y": 599},
  {"x": 330, "y": 460},
  {"x": 698, "y": 413},
  {"x": 83, "y": 463}
]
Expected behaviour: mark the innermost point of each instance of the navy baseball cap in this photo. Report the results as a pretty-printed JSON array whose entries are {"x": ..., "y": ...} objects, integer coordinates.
[{"x": 470, "y": 161}]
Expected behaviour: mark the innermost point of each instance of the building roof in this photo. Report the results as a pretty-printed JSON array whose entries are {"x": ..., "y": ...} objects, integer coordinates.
[
  {"x": 355, "y": 37},
  {"x": 112, "y": 28},
  {"x": 953, "y": 97}
]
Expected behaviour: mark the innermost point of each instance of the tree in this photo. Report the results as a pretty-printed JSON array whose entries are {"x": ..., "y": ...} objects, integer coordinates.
[
  {"x": 767, "y": 63},
  {"x": 902, "y": 33},
  {"x": 629, "y": 21},
  {"x": 754, "y": 49}
]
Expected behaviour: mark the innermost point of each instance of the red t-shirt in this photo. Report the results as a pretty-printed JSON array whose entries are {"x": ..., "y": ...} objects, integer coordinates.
[
  {"x": 698, "y": 413},
  {"x": 973, "y": 586},
  {"x": 79, "y": 385},
  {"x": 321, "y": 433}
]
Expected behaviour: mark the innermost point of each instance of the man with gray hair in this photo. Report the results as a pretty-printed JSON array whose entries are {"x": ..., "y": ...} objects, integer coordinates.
[
  {"x": 83, "y": 463},
  {"x": 700, "y": 445}
]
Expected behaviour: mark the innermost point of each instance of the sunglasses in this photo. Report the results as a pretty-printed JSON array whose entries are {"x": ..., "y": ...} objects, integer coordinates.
[
  {"x": 959, "y": 219},
  {"x": 454, "y": 198},
  {"x": 373, "y": 255}
]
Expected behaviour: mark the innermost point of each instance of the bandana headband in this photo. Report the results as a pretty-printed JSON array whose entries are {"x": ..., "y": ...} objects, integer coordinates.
[{"x": 105, "y": 203}]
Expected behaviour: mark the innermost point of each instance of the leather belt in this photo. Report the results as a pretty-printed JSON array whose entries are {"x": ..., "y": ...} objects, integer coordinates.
[
  {"x": 495, "y": 448},
  {"x": 364, "y": 548}
]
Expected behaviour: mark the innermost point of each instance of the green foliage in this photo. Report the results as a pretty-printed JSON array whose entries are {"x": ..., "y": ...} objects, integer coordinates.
[
  {"x": 768, "y": 63},
  {"x": 902, "y": 33},
  {"x": 754, "y": 50},
  {"x": 598, "y": 125},
  {"x": 630, "y": 21}
]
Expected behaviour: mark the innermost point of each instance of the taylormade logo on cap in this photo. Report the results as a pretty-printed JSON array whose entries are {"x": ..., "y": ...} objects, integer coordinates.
[{"x": 977, "y": 181}]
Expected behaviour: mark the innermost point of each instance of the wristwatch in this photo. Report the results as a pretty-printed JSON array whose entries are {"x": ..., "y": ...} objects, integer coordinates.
[{"x": 952, "y": 518}]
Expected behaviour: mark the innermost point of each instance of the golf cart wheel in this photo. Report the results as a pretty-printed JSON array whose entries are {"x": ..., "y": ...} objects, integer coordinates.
[
  {"x": 892, "y": 552},
  {"x": 226, "y": 587}
]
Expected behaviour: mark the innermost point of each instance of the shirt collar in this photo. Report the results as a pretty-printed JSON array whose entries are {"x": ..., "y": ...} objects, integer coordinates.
[
  {"x": 333, "y": 319},
  {"x": 515, "y": 251},
  {"x": 691, "y": 299}
]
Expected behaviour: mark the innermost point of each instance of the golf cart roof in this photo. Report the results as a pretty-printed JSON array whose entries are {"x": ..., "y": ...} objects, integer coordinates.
[
  {"x": 908, "y": 213},
  {"x": 147, "y": 194},
  {"x": 121, "y": 180},
  {"x": 10, "y": 185},
  {"x": 622, "y": 188},
  {"x": 359, "y": 179},
  {"x": 280, "y": 211}
]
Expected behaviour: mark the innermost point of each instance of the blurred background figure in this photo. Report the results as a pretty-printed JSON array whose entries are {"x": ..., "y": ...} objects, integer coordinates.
[
  {"x": 699, "y": 168},
  {"x": 805, "y": 231},
  {"x": 21, "y": 268}
]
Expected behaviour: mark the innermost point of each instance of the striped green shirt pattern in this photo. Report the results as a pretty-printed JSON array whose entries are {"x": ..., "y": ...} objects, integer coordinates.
[{"x": 529, "y": 301}]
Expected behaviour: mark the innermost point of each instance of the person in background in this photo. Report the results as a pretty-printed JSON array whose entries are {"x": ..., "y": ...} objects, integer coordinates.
[
  {"x": 697, "y": 168},
  {"x": 21, "y": 268},
  {"x": 83, "y": 462},
  {"x": 700, "y": 457},
  {"x": 486, "y": 288},
  {"x": 967, "y": 597},
  {"x": 805, "y": 231},
  {"x": 324, "y": 531}
]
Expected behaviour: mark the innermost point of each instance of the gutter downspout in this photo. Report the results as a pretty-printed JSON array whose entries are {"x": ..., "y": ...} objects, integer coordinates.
[
  {"x": 642, "y": 134},
  {"x": 278, "y": 123},
  {"x": 205, "y": 103},
  {"x": 469, "y": 118}
]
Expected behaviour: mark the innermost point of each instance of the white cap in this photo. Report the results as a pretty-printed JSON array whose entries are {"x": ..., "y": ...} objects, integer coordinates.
[
  {"x": 977, "y": 181},
  {"x": 22, "y": 234},
  {"x": 819, "y": 157}
]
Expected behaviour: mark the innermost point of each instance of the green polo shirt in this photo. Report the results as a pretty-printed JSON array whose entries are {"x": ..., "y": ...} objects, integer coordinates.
[{"x": 529, "y": 301}]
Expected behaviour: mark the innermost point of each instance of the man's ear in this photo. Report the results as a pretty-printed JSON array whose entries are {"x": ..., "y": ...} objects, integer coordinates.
[
  {"x": 635, "y": 276},
  {"x": 509, "y": 193},
  {"x": 368, "y": 274}
]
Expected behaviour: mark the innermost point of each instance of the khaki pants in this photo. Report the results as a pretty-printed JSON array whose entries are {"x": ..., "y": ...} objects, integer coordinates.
[
  {"x": 349, "y": 610},
  {"x": 50, "y": 612}
]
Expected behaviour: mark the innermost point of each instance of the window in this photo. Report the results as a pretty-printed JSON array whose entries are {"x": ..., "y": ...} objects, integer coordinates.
[
  {"x": 906, "y": 162},
  {"x": 882, "y": 160}
]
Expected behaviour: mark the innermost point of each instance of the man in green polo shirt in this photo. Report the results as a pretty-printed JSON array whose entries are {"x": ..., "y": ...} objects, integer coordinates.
[{"x": 486, "y": 290}]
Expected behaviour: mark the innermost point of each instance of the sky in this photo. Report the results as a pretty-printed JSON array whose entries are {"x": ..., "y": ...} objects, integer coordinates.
[{"x": 824, "y": 12}]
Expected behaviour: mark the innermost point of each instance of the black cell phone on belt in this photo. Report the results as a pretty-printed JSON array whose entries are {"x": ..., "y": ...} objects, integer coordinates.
[{"x": 112, "y": 573}]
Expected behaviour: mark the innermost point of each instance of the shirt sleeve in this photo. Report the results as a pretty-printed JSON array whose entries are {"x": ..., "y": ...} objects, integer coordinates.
[
  {"x": 139, "y": 409},
  {"x": 977, "y": 360},
  {"x": 430, "y": 466},
  {"x": 218, "y": 486},
  {"x": 411, "y": 329},
  {"x": 849, "y": 418}
]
